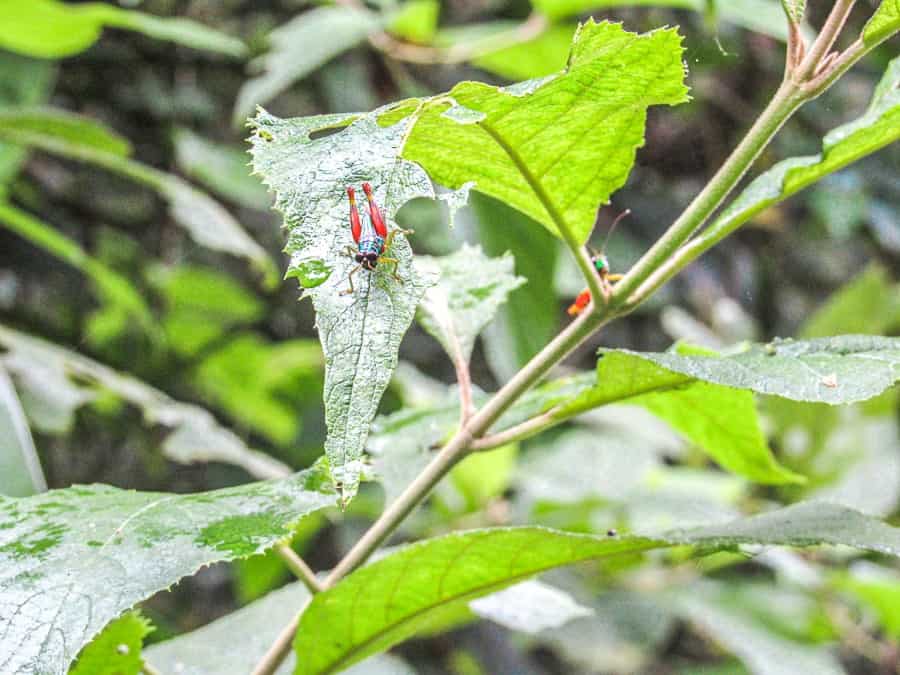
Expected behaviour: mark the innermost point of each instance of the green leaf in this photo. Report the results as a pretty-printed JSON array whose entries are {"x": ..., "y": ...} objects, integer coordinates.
[
  {"x": 122, "y": 547},
  {"x": 60, "y": 129},
  {"x": 221, "y": 168},
  {"x": 416, "y": 20},
  {"x": 838, "y": 370},
  {"x": 471, "y": 289},
  {"x": 118, "y": 296},
  {"x": 302, "y": 45},
  {"x": 877, "y": 128},
  {"x": 50, "y": 29},
  {"x": 485, "y": 475},
  {"x": 526, "y": 145},
  {"x": 82, "y": 139},
  {"x": 23, "y": 82},
  {"x": 541, "y": 56},
  {"x": 719, "y": 419},
  {"x": 763, "y": 652},
  {"x": 762, "y": 16},
  {"x": 884, "y": 23},
  {"x": 876, "y": 587},
  {"x": 234, "y": 644},
  {"x": 795, "y": 9},
  {"x": 361, "y": 331},
  {"x": 511, "y": 341},
  {"x": 201, "y": 305},
  {"x": 20, "y": 467},
  {"x": 868, "y": 303},
  {"x": 247, "y": 377},
  {"x": 392, "y": 599},
  {"x": 58, "y": 381},
  {"x": 117, "y": 649}
]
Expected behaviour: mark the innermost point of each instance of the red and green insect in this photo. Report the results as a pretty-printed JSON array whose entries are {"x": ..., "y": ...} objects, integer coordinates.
[
  {"x": 371, "y": 236},
  {"x": 601, "y": 265}
]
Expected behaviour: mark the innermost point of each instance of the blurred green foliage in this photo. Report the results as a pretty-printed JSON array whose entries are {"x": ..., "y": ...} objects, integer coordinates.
[{"x": 128, "y": 212}]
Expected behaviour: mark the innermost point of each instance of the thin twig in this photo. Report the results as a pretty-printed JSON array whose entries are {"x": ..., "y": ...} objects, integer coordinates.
[
  {"x": 526, "y": 429},
  {"x": 278, "y": 650},
  {"x": 464, "y": 382},
  {"x": 390, "y": 46},
  {"x": 298, "y": 566},
  {"x": 147, "y": 669}
]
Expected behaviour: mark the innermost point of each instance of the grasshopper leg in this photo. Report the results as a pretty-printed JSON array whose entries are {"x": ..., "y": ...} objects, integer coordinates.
[
  {"x": 394, "y": 262},
  {"x": 348, "y": 291},
  {"x": 390, "y": 237}
]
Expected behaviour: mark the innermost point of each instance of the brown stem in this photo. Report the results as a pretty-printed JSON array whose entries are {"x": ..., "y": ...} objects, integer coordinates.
[{"x": 825, "y": 40}]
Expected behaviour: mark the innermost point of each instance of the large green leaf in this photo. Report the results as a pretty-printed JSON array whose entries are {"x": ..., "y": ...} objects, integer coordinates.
[
  {"x": 51, "y": 29},
  {"x": 869, "y": 303},
  {"x": 201, "y": 305},
  {"x": 249, "y": 377},
  {"x": 117, "y": 649},
  {"x": 471, "y": 289},
  {"x": 74, "y": 559},
  {"x": 541, "y": 56},
  {"x": 54, "y": 382},
  {"x": 302, "y": 45},
  {"x": 836, "y": 370},
  {"x": 20, "y": 467},
  {"x": 392, "y": 599},
  {"x": 883, "y": 23},
  {"x": 720, "y": 419},
  {"x": 234, "y": 644},
  {"x": 83, "y": 139},
  {"x": 877, "y": 128},
  {"x": 360, "y": 331},
  {"x": 510, "y": 341},
  {"x": 558, "y": 147}
]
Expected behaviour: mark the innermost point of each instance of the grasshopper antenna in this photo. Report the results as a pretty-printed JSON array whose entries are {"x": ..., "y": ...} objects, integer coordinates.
[{"x": 612, "y": 228}]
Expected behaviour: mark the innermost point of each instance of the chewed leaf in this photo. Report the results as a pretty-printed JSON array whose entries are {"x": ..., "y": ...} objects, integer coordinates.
[
  {"x": 557, "y": 147},
  {"x": 471, "y": 290},
  {"x": 360, "y": 331},
  {"x": 75, "y": 559}
]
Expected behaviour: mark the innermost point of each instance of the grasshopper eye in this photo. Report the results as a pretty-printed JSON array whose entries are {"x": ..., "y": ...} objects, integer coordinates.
[
  {"x": 359, "y": 257},
  {"x": 372, "y": 257}
]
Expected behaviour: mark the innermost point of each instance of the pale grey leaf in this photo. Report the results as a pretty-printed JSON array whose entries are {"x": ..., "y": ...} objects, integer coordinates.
[
  {"x": 471, "y": 289},
  {"x": 836, "y": 370},
  {"x": 55, "y": 382},
  {"x": 530, "y": 607},
  {"x": 20, "y": 468},
  {"x": 763, "y": 651},
  {"x": 300, "y": 46},
  {"x": 74, "y": 559},
  {"x": 360, "y": 331}
]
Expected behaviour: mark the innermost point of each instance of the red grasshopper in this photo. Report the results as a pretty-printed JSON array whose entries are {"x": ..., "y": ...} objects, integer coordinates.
[
  {"x": 371, "y": 236},
  {"x": 601, "y": 264}
]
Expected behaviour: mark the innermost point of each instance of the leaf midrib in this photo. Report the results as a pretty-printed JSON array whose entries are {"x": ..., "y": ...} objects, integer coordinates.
[{"x": 349, "y": 656}]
